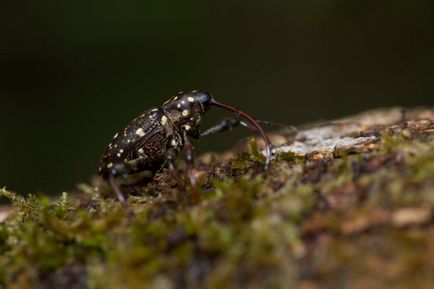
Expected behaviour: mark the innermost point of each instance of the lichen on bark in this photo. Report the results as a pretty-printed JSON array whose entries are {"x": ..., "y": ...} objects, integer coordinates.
[{"x": 345, "y": 204}]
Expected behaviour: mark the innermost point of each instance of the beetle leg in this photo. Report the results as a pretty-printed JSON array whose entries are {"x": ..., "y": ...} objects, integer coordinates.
[
  {"x": 125, "y": 169},
  {"x": 189, "y": 158},
  {"x": 116, "y": 189},
  {"x": 171, "y": 155},
  {"x": 225, "y": 125},
  {"x": 121, "y": 197}
]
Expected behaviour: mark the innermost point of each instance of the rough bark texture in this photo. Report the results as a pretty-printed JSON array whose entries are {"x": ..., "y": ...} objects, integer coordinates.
[{"x": 345, "y": 204}]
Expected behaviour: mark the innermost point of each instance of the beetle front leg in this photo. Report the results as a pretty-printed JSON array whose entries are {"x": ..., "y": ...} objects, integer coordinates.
[{"x": 225, "y": 125}]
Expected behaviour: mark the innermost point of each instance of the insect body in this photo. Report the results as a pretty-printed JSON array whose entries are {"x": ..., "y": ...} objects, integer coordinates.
[
  {"x": 154, "y": 139},
  {"x": 142, "y": 145}
]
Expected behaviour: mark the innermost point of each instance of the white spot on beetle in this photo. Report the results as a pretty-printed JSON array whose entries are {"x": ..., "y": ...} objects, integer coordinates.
[
  {"x": 185, "y": 112},
  {"x": 121, "y": 150},
  {"x": 109, "y": 165},
  {"x": 163, "y": 120},
  {"x": 187, "y": 127},
  {"x": 141, "y": 151},
  {"x": 178, "y": 105},
  {"x": 119, "y": 155},
  {"x": 140, "y": 132},
  {"x": 174, "y": 143},
  {"x": 190, "y": 99},
  {"x": 116, "y": 135}
]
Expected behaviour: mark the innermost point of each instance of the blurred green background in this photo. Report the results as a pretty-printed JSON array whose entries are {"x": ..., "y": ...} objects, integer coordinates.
[{"x": 72, "y": 73}]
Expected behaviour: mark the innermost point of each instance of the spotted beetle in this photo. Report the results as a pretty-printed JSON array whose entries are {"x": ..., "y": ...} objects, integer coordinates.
[{"x": 153, "y": 139}]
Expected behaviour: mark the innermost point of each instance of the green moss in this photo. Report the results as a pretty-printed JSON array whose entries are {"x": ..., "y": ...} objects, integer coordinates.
[
  {"x": 244, "y": 161},
  {"x": 286, "y": 156},
  {"x": 254, "y": 151},
  {"x": 422, "y": 168}
]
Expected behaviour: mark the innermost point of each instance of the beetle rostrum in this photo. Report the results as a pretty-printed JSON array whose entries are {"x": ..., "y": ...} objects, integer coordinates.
[{"x": 153, "y": 139}]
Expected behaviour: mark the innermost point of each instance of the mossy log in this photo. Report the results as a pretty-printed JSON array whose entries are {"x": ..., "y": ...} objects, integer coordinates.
[{"x": 344, "y": 204}]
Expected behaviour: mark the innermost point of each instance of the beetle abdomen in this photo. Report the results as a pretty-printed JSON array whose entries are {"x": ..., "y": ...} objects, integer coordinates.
[{"x": 143, "y": 135}]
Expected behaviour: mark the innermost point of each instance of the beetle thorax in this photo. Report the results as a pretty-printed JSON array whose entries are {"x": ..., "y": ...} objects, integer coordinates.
[{"x": 184, "y": 112}]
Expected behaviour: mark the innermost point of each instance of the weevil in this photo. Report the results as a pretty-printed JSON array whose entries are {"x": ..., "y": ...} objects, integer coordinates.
[{"x": 153, "y": 140}]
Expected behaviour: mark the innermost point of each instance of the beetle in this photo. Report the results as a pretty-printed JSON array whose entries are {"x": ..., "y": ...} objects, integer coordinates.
[{"x": 153, "y": 140}]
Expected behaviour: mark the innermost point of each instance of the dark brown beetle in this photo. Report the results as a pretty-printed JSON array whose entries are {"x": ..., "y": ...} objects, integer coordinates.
[{"x": 153, "y": 139}]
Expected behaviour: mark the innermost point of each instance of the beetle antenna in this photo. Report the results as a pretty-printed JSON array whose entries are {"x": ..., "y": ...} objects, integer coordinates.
[
  {"x": 277, "y": 124},
  {"x": 254, "y": 123}
]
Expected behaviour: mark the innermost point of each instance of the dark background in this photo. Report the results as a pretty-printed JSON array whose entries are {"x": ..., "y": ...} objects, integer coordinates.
[{"x": 72, "y": 73}]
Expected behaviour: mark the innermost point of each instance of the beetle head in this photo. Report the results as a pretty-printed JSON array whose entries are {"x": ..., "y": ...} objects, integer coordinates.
[
  {"x": 186, "y": 108},
  {"x": 189, "y": 102}
]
